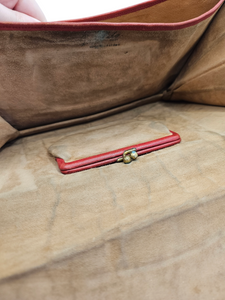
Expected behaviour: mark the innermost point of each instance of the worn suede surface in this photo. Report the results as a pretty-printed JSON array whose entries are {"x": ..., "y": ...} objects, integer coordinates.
[
  {"x": 203, "y": 78},
  {"x": 57, "y": 76},
  {"x": 153, "y": 229}
]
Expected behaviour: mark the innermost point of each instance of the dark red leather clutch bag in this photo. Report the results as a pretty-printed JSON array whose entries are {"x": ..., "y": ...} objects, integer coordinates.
[{"x": 126, "y": 155}]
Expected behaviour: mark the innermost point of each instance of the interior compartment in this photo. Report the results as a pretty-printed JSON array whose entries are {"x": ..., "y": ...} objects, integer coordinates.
[{"x": 114, "y": 134}]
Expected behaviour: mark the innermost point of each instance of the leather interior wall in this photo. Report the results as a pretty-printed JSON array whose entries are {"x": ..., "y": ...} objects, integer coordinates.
[
  {"x": 202, "y": 80},
  {"x": 57, "y": 76},
  {"x": 170, "y": 11}
]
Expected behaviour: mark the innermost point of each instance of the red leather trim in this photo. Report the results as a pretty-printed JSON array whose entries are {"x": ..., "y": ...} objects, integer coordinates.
[
  {"x": 88, "y": 24},
  {"x": 111, "y": 157}
]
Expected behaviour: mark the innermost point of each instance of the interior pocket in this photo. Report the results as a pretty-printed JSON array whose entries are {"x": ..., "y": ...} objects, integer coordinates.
[{"x": 105, "y": 138}]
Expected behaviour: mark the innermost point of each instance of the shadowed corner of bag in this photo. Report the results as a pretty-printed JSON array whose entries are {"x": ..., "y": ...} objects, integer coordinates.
[
  {"x": 7, "y": 132},
  {"x": 167, "y": 94}
]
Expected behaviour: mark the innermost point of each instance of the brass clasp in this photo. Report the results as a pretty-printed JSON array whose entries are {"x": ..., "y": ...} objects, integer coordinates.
[{"x": 128, "y": 156}]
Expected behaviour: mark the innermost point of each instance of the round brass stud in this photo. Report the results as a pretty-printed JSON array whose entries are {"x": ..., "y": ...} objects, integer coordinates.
[
  {"x": 127, "y": 159},
  {"x": 134, "y": 155}
]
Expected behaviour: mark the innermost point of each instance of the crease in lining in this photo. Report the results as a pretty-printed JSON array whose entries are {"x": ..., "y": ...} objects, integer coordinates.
[
  {"x": 171, "y": 89},
  {"x": 221, "y": 65}
]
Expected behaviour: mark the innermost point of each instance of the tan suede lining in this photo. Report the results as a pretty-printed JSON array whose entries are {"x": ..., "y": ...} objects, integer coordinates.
[
  {"x": 154, "y": 227},
  {"x": 203, "y": 78},
  {"x": 59, "y": 79},
  {"x": 170, "y": 11},
  {"x": 59, "y": 76},
  {"x": 7, "y": 132},
  {"x": 92, "y": 117},
  {"x": 151, "y": 230}
]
